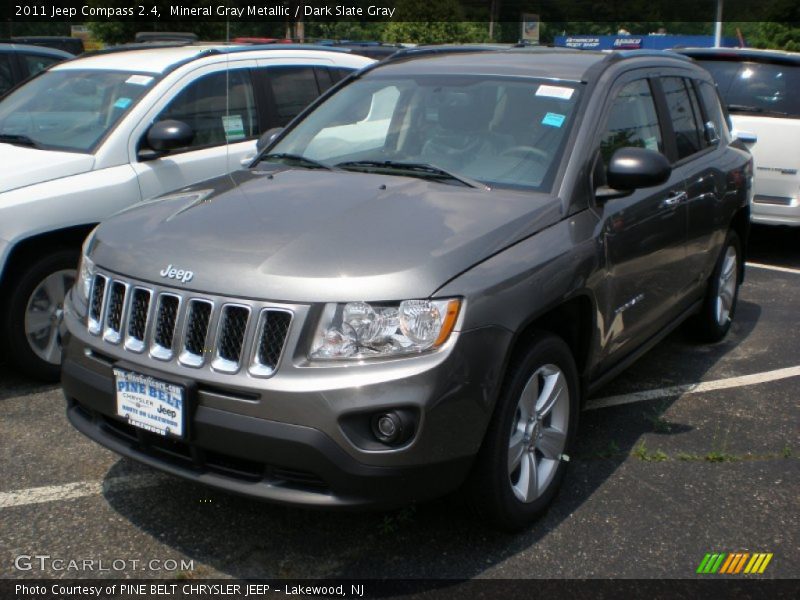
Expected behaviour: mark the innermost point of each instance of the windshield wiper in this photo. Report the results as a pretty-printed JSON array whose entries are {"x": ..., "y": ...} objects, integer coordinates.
[
  {"x": 755, "y": 110},
  {"x": 307, "y": 162},
  {"x": 418, "y": 169},
  {"x": 18, "y": 140}
]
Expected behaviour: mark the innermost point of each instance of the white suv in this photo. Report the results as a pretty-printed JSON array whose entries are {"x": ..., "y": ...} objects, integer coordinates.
[
  {"x": 761, "y": 89},
  {"x": 94, "y": 135}
]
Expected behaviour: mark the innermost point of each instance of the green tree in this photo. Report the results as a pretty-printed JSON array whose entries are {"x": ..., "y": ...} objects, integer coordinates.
[
  {"x": 23, "y": 28},
  {"x": 770, "y": 34},
  {"x": 346, "y": 30},
  {"x": 436, "y": 22}
]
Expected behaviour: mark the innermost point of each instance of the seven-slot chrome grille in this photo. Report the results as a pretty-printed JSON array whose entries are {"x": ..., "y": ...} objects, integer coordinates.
[{"x": 225, "y": 335}]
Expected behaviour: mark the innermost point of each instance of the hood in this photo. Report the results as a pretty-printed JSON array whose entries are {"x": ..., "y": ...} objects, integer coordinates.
[
  {"x": 23, "y": 166},
  {"x": 319, "y": 236}
]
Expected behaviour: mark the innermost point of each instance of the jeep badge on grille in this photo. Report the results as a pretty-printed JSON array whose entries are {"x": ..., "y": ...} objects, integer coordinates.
[{"x": 174, "y": 273}]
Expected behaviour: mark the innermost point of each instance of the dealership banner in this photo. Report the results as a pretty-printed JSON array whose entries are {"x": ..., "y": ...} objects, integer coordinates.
[{"x": 510, "y": 11}]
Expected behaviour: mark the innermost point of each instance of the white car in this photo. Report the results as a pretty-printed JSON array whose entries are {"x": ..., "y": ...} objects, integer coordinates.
[
  {"x": 97, "y": 134},
  {"x": 761, "y": 89}
]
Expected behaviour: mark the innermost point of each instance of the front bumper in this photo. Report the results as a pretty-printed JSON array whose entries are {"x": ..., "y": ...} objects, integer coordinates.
[{"x": 243, "y": 447}]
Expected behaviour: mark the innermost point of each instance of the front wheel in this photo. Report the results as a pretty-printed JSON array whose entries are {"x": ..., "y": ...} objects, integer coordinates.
[
  {"x": 34, "y": 312},
  {"x": 523, "y": 458},
  {"x": 719, "y": 306}
]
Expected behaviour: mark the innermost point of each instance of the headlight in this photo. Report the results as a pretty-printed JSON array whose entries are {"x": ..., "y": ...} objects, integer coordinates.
[
  {"x": 83, "y": 284},
  {"x": 361, "y": 330}
]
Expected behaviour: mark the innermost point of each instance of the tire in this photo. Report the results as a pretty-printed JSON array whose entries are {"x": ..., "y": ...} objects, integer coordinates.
[
  {"x": 719, "y": 306},
  {"x": 33, "y": 314},
  {"x": 500, "y": 487}
]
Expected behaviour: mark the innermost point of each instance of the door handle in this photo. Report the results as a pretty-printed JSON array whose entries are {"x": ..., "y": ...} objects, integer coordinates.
[
  {"x": 673, "y": 199},
  {"x": 247, "y": 160}
]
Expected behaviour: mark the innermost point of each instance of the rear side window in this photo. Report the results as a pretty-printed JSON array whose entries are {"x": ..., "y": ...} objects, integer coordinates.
[
  {"x": 6, "y": 74},
  {"x": 293, "y": 88},
  {"x": 324, "y": 78},
  {"x": 633, "y": 121},
  {"x": 37, "y": 62},
  {"x": 685, "y": 116},
  {"x": 216, "y": 117},
  {"x": 757, "y": 88}
]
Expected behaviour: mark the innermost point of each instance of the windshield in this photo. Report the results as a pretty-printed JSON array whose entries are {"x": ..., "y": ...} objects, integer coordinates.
[
  {"x": 751, "y": 87},
  {"x": 497, "y": 131},
  {"x": 69, "y": 109}
]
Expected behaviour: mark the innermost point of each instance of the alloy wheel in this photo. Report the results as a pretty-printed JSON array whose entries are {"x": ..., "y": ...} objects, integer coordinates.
[
  {"x": 43, "y": 315},
  {"x": 726, "y": 286},
  {"x": 538, "y": 433}
]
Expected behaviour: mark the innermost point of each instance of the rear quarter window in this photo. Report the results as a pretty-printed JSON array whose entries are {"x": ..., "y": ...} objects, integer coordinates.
[
  {"x": 714, "y": 112},
  {"x": 683, "y": 111}
]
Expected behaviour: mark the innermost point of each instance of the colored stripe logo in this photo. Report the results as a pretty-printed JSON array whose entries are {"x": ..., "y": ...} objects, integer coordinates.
[{"x": 734, "y": 563}]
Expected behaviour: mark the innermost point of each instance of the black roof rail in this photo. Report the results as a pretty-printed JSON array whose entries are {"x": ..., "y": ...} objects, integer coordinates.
[
  {"x": 135, "y": 46},
  {"x": 645, "y": 52},
  {"x": 164, "y": 36},
  {"x": 520, "y": 46},
  {"x": 443, "y": 49},
  {"x": 232, "y": 49},
  {"x": 221, "y": 49}
]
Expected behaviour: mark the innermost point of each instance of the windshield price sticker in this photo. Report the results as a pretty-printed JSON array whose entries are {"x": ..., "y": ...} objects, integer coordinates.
[
  {"x": 555, "y": 91},
  {"x": 139, "y": 80}
]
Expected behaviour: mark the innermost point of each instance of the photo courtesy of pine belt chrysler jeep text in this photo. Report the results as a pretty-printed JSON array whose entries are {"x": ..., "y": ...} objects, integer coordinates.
[
  {"x": 415, "y": 285},
  {"x": 99, "y": 133}
]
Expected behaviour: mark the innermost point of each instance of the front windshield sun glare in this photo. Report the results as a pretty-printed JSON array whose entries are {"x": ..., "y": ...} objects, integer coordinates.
[{"x": 468, "y": 130}]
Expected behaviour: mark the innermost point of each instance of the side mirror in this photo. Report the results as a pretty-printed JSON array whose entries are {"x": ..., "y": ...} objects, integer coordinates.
[
  {"x": 267, "y": 138},
  {"x": 164, "y": 136},
  {"x": 633, "y": 168}
]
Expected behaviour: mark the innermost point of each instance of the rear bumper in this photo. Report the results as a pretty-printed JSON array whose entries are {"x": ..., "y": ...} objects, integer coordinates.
[
  {"x": 770, "y": 210},
  {"x": 269, "y": 460}
]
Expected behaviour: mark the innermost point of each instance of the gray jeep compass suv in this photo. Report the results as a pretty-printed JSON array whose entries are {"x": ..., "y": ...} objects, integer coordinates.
[{"x": 416, "y": 283}]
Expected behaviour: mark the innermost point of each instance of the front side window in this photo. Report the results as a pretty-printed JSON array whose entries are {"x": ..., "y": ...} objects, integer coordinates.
[
  {"x": 70, "y": 109},
  {"x": 220, "y": 108},
  {"x": 499, "y": 131},
  {"x": 632, "y": 121},
  {"x": 683, "y": 112},
  {"x": 6, "y": 74}
]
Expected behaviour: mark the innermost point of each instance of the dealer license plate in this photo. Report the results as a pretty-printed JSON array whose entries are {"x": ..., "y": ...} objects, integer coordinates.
[{"x": 149, "y": 403}]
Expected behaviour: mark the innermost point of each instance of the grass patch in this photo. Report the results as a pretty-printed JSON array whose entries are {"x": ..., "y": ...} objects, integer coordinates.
[
  {"x": 687, "y": 457},
  {"x": 609, "y": 451},
  {"x": 657, "y": 421},
  {"x": 717, "y": 456},
  {"x": 642, "y": 453},
  {"x": 392, "y": 523}
]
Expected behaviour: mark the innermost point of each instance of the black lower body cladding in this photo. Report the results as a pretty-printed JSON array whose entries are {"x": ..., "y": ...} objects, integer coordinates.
[{"x": 294, "y": 463}]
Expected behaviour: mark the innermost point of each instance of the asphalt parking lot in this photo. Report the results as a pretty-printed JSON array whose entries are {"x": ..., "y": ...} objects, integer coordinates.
[{"x": 659, "y": 479}]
